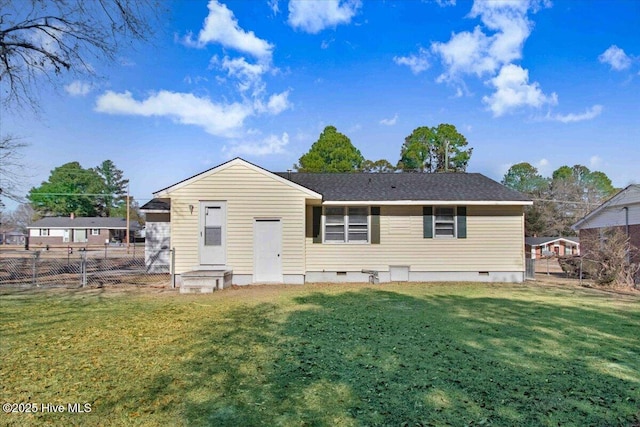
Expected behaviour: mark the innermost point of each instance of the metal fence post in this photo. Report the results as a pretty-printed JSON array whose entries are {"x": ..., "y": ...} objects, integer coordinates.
[
  {"x": 580, "y": 273},
  {"x": 173, "y": 268},
  {"x": 83, "y": 269},
  {"x": 35, "y": 268}
]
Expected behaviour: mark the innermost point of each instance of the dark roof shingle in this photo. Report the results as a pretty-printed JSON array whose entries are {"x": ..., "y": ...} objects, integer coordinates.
[
  {"x": 404, "y": 186},
  {"x": 84, "y": 222},
  {"x": 157, "y": 205}
]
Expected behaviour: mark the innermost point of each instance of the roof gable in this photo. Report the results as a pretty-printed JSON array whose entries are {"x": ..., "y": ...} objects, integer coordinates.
[
  {"x": 237, "y": 161},
  {"x": 537, "y": 241},
  {"x": 630, "y": 195}
]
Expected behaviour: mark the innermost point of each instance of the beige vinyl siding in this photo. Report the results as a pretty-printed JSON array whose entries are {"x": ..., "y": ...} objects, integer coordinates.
[
  {"x": 495, "y": 242},
  {"x": 248, "y": 194}
]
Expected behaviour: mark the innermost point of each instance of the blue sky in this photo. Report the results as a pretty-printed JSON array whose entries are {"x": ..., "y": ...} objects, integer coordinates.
[{"x": 550, "y": 83}]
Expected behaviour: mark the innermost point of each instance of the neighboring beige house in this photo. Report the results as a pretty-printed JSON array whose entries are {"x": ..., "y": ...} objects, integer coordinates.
[
  {"x": 264, "y": 227},
  {"x": 538, "y": 247},
  {"x": 621, "y": 212},
  {"x": 256, "y": 226}
]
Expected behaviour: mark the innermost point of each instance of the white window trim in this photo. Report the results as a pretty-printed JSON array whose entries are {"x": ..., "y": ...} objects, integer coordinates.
[
  {"x": 455, "y": 222},
  {"x": 346, "y": 227},
  {"x": 45, "y": 232},
  {"x": 95, "y": 229}
]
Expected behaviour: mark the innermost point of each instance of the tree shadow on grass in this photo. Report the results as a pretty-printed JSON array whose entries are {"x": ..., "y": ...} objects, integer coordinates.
[{"x": 377, "y": 357}]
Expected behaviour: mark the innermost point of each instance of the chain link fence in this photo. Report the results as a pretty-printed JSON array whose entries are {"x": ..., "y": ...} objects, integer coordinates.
[
  {"x": 530, "y": 269},
  {"x": 81, "y": 268}
]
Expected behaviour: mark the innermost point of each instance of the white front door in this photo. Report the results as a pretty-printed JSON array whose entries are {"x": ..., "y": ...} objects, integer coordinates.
[
  {"x": 213, "y": 220},
  {"x": 267, "y": 249}
]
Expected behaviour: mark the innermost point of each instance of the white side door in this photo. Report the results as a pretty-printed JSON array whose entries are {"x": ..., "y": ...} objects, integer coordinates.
[
  {"x": 213, "y": 224},
  {"x": 267, "y": 249}
]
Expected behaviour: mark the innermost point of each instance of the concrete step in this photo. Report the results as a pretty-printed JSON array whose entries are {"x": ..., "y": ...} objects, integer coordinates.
[{"x": 205, "y": 281}]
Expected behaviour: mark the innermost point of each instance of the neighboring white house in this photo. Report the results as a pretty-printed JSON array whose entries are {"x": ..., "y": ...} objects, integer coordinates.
[
  {"x": 538, "y": 247},
  {"x": 621, "y": 211},
  {"x": 264, "y": 227},
  {"x": 79, "y": 231}
]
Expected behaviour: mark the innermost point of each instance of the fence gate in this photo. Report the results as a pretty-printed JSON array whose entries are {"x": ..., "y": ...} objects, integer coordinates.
[{"x": 530, "y": 270}]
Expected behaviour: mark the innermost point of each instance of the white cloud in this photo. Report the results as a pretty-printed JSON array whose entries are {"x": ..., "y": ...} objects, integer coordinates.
[
  {"x": 270, "y": 145},
  {"x": 491, "y": 50},
  {"x": 589, "y": 114},
  {"x": 389, "y": 122},
  {"x": 313, "y": 16},
  {"x": 616, "y": 58},
  {"x": 278, "y": 103},
  {"x": 445, "y": 3},
  {"x": 544, "y": 167},
  {"x": 465, "y": 53},
  {"x": 78, "y": 88},
  {"x": 185, "y": 108},
  {"x": 221, "y": 26},
  {"x": 513, "y": 90},
  {"x": 249, "y": 76},
  {"x": 595, "y": 161},
  {"x": 416, "y": 62},
  {"x": 478, "y": 53},
  {"x": 326, "y": 43},
  {"x": 273, "y": 5}
]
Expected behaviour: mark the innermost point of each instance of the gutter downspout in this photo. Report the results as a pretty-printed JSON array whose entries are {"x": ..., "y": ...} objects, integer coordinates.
[{"x": 626, "y": 227}]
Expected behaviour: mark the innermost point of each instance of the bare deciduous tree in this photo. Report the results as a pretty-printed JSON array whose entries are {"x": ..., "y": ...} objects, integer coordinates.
[
  {"x": 42, "y": 39},
  {"x": 11, "y": 173},
  {"x": 609, "y": 258}
]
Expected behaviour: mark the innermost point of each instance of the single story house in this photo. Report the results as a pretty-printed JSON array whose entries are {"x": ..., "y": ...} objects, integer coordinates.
[
  {"x": 75, "y": 231},
  {"x": 255, "y": 226},
  {"x": 621, "y": 212},
  {"x": 538, "y": 247},
  {"x": 13, "y": 238}
]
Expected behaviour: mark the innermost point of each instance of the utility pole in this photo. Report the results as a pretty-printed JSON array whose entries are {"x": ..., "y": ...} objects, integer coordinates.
[
  {"x": 446, "y": 155},
  {"x": 126, "y": 233}
]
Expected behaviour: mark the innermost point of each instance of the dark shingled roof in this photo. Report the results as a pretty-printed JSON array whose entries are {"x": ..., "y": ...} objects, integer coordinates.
[
  {"x": 537, "y": 241},
  {"x": 404, "y": 186},
  {"x": 84, "y": 222},
  {"x": 157, "y": 205}
]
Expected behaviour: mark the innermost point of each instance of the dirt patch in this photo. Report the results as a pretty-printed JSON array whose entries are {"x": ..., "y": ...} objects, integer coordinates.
[{"x": 558, "y": 280}]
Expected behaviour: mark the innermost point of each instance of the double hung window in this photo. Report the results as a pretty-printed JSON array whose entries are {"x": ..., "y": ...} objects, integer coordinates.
[
  {"x": 445, "y": 222},
  {"x": 346, "y": 224}
]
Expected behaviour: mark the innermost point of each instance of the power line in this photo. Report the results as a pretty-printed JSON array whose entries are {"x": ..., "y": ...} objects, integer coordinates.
[
  {"x": 566, "y": 201},
  {"x": 124, "y": 196}
]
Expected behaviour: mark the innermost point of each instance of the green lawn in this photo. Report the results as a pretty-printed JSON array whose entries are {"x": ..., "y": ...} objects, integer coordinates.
[{"x": 330, "y": 355}]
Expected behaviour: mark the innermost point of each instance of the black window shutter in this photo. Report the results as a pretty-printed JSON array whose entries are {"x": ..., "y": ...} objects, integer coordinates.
[
  {"x": 427, "y": 222},
  {"x": 462, "y": 222},
  {"x": 375, "y": 225},
  {"x": 317, "y": 232}
]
